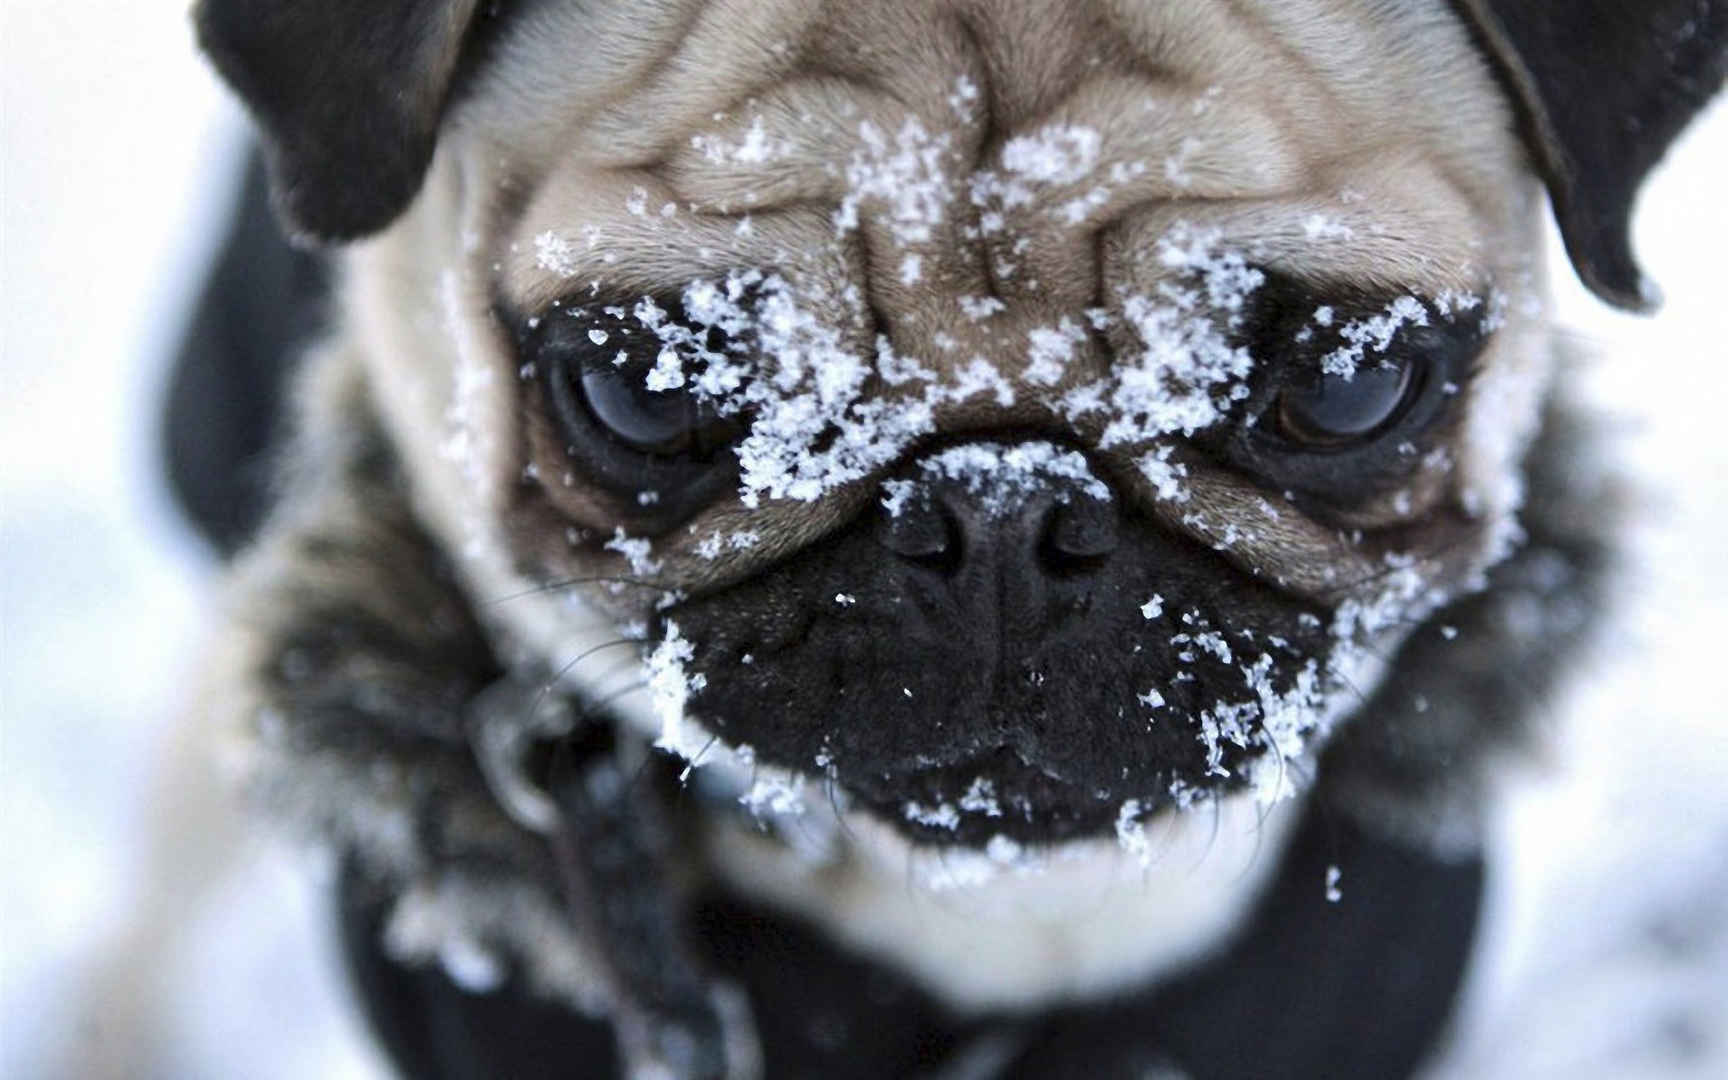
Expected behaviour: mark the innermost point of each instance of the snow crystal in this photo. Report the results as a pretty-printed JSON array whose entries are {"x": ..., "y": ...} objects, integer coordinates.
[
  {"x": 1152, "y": 608},
  {"x": 1000, "y": 477},
  {"x": 713, "y": 545},
  {"x": 941, "y": 816},
  {"x": 774, "y": 794},
  {"x": 980, "y": 376},
  {"x": 669, "y": 689},
  {"x": 1373, "y": 334},
  {"x": 1185, "y": 796},
  {"x": 1131, "y": 832},
  {"x": 965, "y": 93},
  {"x": 802, "y": 387},
  {"x": 979, "y": 308},
  {"x": 1277, "y": 722},
  {"x": 904, "y": 176},
  {"x": 635, "y": 549},
  {"x": 1049, "y": 349},
  {"x": 1164, "y": 475},
  {"x": 895, "y": 493},
  {"x": 430, "y": 923},
  {"x": 556, "y": 254},
  {"x": 1321, "y": 227},
  {"x": 1212, "y": 642},
  {"x": 980, "y": 798},
  {"x": 1056, "y": 154},
  {"x": 1451, "y": 302},
  {"x": 1333, "y": 893},
  {"x": 755, "y": 148}
]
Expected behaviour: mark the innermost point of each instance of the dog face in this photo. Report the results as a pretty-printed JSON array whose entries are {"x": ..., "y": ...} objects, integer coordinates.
[
  {"x": 1022, "y": 417},
  {"x": 1010, "y": 415},
  {"x": 1007, "y": 422}
]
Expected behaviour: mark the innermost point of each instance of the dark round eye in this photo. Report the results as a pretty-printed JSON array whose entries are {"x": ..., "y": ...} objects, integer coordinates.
[
  {"x": 1332, "y": 411},
  {"x": 663, "y": 422},
  {"x": 597, "y": 366}
]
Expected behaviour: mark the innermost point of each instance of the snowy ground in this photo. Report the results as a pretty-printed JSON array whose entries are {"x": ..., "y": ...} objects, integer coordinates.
[{"x": 1607, "y": 951}]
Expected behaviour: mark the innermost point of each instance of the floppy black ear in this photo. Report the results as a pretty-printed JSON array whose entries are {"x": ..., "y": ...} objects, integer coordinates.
[
  {"x": 1603, "y": 86},
  {"x": 348, "y": 94}
]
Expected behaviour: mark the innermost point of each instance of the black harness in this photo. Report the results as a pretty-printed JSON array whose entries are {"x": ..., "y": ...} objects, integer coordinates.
[{"x": 1359, "y": 987}]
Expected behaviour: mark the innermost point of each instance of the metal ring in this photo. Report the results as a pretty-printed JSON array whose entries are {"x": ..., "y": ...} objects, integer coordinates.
[{"x": 505, "y": 720}]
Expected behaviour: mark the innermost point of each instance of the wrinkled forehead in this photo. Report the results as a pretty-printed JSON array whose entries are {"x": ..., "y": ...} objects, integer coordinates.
[{"x": 700, "y": 137}]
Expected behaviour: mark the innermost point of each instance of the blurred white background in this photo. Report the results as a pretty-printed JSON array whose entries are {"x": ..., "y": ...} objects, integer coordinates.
[{"x": 1606, "y": 953}]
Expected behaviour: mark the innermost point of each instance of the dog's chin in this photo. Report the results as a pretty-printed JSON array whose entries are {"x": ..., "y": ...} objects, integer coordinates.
[
  {"x": 1002, "y": 799},
  {"x": 999, "y": 795}
]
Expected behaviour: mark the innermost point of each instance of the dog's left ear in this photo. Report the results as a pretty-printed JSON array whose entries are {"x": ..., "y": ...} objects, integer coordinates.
[
  {"x": 1603, "y": 88},
  {"x": 348, "y": 94}
]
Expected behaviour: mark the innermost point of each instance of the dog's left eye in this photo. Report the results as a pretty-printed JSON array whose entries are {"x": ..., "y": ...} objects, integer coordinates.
[
  {"x": 1332, "y": 411},
  {"x": 1337, "y": 441}
]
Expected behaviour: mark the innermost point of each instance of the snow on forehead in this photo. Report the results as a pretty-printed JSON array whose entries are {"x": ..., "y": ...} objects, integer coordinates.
[
  {"x": 909, "y": 179},
  {"x": 906, "y": 175}
]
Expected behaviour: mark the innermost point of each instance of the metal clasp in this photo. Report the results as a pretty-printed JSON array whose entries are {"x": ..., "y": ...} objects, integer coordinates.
[{"x": 505, "y": 720}]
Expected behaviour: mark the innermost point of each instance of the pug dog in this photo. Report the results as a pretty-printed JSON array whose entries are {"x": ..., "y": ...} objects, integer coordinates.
[{"x": 956, "y": 538}]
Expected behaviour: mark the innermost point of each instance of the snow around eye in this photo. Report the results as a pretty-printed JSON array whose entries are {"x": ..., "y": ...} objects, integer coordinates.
[
  {"x": 1374, "y": 334},
  {"x": 825, "y": 408},
  {"x": 813, "y": 426}
]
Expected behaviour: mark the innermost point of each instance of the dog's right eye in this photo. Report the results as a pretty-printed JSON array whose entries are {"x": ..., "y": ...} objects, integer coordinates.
[
  {"x": 619, "y": 395},
  {"x": 613, "y": 386},
  {"x": 653, "y": 421}
]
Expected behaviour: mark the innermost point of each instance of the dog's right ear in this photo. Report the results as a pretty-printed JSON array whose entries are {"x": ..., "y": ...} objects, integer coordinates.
[{"x": 348, "y": 94}]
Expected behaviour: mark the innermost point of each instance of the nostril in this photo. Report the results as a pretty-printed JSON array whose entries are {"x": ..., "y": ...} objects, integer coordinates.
[
  {"x": 1078, "y": 535},
  {"x": 925, "y": 534}
]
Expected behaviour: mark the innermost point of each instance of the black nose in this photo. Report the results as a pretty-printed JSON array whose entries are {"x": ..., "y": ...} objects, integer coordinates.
[{"x": 1025, "y": 524}]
